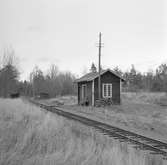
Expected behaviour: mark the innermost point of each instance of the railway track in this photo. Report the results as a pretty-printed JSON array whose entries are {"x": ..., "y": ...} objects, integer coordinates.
[{"x": 138, "y": 141}]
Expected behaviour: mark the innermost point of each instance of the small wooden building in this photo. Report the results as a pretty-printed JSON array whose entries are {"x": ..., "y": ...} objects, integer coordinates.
[{"x": 110, "y": 87}]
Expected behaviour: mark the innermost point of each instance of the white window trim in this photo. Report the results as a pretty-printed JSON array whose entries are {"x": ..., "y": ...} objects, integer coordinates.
[{"x": 107, "y": 87}]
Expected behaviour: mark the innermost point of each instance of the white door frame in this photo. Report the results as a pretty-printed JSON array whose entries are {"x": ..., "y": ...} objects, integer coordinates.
[
  {"x": 93, "y": 92},
  {"x": 83, "y": 91}
]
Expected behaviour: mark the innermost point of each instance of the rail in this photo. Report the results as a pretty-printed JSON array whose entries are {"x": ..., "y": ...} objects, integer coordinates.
[{"x": 139, "y": 141}]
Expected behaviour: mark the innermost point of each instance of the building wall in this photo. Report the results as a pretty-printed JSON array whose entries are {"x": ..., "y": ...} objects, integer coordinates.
[
  {"x": 108, "y": 77},
  {"x": 88, "y": 92},
  {"x": 79, "y": 92}
]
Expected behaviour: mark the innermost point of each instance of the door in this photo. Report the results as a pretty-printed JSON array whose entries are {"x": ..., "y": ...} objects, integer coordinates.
[{"x": 83, "y": 93}]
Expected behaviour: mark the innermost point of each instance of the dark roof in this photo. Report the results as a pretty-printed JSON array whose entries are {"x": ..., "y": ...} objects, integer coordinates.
[{"x": 92, "y": 75}]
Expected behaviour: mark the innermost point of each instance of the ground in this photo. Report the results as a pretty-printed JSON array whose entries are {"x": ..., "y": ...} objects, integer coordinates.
[
  {"x": 144, "y": 113},
  {"x": 32, "y": 136}
]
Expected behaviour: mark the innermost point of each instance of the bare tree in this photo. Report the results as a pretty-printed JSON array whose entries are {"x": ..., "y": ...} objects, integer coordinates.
[
  {"x": 53, "y": 83},
  {"x": 9, "y": 58},
  {"x": 37, "y": 79},
  {"x": 53, "y": 71}
]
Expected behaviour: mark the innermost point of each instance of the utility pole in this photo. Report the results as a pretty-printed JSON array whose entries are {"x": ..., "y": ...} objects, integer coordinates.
[{"x": 99, "y": 84}]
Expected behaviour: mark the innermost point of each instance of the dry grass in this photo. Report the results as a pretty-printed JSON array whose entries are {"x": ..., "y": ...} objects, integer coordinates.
[
  {"x": 140, "y": 112},
  {"x": 159, "y": 98},
  {"x": 62, "y": 100},
  {"x": 140, "y": 97},
  {"x": 29, "y": 136}
]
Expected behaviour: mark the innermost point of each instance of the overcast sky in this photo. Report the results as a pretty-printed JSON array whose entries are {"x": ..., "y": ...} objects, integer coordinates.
[{"x": 65, "y": 33}]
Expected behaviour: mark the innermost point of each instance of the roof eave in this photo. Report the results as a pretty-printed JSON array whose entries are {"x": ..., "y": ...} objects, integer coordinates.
[
  {"x": 78, "y": 81},
  {"x": 91, "y": 79}
]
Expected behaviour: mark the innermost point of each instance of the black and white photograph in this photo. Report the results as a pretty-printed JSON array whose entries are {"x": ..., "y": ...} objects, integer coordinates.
[{"x": 83, "y": 82}]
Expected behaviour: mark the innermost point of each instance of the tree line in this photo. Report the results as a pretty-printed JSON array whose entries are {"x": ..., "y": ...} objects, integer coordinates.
[
  {"x": 53, "y": 82},
  {"x": 56, "y": 83},
  {"x": 151, "y": 81}
]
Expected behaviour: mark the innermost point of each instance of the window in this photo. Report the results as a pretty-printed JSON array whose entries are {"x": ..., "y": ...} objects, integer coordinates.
[{"x": 107, "y": 90}]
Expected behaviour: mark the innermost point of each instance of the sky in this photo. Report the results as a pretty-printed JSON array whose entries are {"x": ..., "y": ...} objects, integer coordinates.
[{"x": 65, "y": 33}]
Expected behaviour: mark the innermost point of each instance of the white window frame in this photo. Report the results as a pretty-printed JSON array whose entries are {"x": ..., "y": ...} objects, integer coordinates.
[{"x": 107, "y": 95}]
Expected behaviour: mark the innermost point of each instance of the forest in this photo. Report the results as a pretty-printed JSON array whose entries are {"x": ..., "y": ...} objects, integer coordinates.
[{"x": 57, "y": 83}]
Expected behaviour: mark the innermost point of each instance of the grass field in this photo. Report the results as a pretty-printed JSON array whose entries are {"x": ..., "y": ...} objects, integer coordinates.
[
  {"x": 158, "y": 98},
  {"x": 30, "y": 136},
  {"x": 144, "y": 113}
]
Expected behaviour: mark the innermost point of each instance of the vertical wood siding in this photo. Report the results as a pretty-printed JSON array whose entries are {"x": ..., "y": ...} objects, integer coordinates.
[{"x": 108, "y": 77}]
